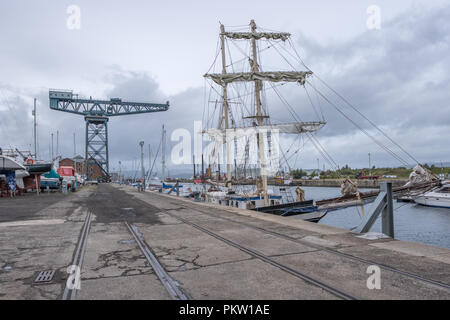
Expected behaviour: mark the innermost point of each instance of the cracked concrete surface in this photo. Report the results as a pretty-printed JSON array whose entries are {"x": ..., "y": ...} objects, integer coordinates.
[{"x": 39, "y": 234}]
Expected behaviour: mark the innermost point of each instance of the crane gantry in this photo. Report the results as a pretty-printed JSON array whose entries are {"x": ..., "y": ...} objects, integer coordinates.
[{"x": 96, "y": 114}]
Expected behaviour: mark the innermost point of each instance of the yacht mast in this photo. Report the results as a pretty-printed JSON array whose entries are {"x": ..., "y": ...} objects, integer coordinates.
[
  {"x": 259, "y": 115},
  {"x": 225, "y": 107},
  {"x": 35, "y": 132}
]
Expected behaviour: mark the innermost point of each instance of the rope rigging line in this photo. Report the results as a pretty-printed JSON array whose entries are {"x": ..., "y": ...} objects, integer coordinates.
[
  {"x": 316, "y": 143},
  {"x": 387, "y": 149},
  {"x": 353, "y": 107},
  {"x": 370, "y": 121},
  {"x": 314, "y": 107},
  {"x": 234, "y": 84},
  {"x": 149, "y": 175}
]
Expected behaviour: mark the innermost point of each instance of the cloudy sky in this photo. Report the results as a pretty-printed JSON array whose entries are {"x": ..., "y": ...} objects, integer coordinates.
[{"x": 154, "y": 51}]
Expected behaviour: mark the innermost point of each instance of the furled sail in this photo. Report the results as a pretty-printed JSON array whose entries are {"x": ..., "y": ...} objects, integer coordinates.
[
  {"x": 278, "y": 76},
  {"x": 288, "y": 128},
  {"x": 257, "y": 35}
]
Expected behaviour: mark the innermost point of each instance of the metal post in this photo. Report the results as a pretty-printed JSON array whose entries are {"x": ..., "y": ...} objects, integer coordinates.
[
  {"x": 193, "y": 161},
  {"x": 149, "y": 159},
  {"x": 53, "y": 157},
  {"x": 203, "y": 169},
  {"x": 107, "y": 148},
  {"x": 387, "y": 217},
  {"x": 120, "y": 172},
  {"x": 163, "y": 154},
  {"x": 86, "y": 165},
  {"x": 142, "y": 166},
  {"x": 383, "y": 204},
  {"x": 35, "y": 131}
]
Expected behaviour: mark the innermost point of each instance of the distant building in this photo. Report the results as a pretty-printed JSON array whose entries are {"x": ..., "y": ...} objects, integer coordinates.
[{"x": 79, "y": 164}]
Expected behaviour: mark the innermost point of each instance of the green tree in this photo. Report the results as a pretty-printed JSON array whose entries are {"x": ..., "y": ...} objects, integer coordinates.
[{"x": 298, "y": 173}]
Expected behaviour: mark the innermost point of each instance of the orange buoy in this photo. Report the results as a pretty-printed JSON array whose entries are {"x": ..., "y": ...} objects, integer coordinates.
[{"x": 30, "y": 161}]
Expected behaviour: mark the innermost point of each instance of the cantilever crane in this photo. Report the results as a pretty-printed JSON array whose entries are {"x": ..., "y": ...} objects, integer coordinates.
[{"x": 96, "y": 114}]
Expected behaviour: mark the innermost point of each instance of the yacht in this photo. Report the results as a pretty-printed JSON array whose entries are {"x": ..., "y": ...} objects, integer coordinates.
[{"x": 439, "y": 197}]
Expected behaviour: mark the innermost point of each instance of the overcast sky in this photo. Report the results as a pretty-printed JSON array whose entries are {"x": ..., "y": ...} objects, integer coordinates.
[{"x": 159, "y": 50}]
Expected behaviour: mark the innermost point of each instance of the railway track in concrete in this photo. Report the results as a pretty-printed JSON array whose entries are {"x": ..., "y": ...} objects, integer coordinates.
[
  {"x": 71, "y": 289},
  {"x": 407, "y": 274},
  {"x": 172, "y": 286},
  {"x": 334, "y": 291}
]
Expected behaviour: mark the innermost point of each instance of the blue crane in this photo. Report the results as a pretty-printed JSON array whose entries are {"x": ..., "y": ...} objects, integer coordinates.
[{"x": 96, "y": 114}]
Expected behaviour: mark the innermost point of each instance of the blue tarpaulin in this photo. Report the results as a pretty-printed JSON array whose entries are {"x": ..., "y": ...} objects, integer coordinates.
[
  {"x": 10, "y": 178},
  {"x": 51, "y": 175}
]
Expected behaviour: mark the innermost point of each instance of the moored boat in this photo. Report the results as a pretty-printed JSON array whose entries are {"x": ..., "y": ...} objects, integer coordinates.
[{"x": 439, "y": 197}]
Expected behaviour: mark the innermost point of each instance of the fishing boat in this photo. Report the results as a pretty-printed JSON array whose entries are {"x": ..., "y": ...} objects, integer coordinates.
[
  {"x": 439, "y": 197},
  {"x": 254, "y": 123}
]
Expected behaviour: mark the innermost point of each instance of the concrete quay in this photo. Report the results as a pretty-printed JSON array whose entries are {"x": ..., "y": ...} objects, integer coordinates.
[{"x": 208, "y": 252}]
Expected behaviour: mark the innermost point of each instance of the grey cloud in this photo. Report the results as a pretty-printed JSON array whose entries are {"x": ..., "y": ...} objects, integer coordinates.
[{"x": 397, "y": 76}]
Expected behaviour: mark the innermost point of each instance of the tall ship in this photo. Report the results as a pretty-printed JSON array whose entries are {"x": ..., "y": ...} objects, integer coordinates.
[{"x": 240, "y": 123}]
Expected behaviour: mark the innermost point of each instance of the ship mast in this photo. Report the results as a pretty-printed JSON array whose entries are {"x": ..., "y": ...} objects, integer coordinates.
[
  {"x": 259, "y": 115},
  {"x": 225, "y": 106},
  {"x": 257, "y": 77}
]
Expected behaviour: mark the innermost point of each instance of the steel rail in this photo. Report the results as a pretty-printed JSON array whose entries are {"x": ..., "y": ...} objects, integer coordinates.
[
  {"x": 335, "y": 252},
  {"x": 79, "y": 256},
  {"x": 261, "y": 256},
  {"x": 172, "y": 286}
]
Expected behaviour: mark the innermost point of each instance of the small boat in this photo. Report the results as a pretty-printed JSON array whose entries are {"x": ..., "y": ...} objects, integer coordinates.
[
  {"x": 50, "y": 180},
  {"x": 307, "y": 210},
  {"x": 7, "y": 163},
  {"x": 439, "y": 197},
  {"x": 39, "y": 168},
  {"x": 169, "y": 186}
]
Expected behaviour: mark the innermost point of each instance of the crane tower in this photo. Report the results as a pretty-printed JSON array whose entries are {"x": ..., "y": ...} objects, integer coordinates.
[{"x": 96, "y": 115}]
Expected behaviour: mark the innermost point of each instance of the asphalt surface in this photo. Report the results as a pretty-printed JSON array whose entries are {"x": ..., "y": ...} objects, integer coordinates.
[{"x": 211, "y": 252}]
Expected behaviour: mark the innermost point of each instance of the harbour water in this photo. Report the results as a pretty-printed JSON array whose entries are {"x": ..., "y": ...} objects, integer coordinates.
[{"x": 412, "y": 222}]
